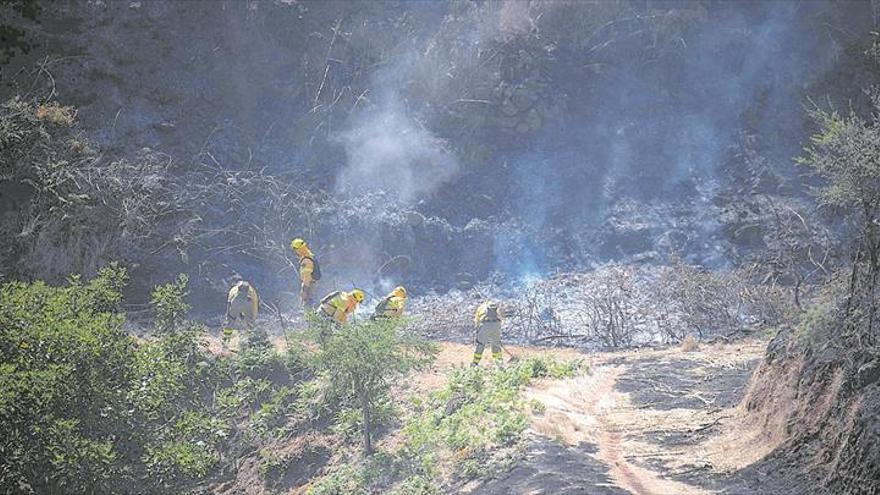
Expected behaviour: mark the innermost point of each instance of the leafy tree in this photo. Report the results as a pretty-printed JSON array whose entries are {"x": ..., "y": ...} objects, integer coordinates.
[{"x": 361, "y": 360}]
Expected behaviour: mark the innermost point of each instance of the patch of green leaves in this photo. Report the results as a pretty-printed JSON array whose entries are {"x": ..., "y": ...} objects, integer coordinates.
[
  {"x": 84, "y": 408},
  {"x": 169, "y": 304},
  {"x": 360, "y": 361},
  {"x": 474, "y": 422}
]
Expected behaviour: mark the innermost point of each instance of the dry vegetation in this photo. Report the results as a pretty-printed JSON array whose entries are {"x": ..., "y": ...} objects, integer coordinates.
[{"x": 618, "y": 306}]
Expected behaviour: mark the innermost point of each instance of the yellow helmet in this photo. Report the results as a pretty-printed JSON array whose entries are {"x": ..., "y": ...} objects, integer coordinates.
[
  {"x": 297, "y": 244},
  {"x": 358, "y": 295},
  {"x": 399, "y": 291}
]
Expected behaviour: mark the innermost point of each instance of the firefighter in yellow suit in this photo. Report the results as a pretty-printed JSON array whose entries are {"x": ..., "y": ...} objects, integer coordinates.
[
  {"x": 487, "y": 322},
  {"x": 392, "y": 305},
  {"x": 241, "y": 305},
  {"x": 338, "y": 305},
  {"x": 306, "y": 270}
]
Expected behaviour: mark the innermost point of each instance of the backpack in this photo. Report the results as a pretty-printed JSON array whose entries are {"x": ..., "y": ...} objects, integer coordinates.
[
  {"x": 491, "y": 313},
  {"x": 316, "y": 270},
  {"x": 329, "y": 297},
  {"x": 383, "y": 305}
]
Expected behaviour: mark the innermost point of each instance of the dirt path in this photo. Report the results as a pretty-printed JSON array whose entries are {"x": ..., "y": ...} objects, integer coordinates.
[
  {"x": 597, "y": 416},
  {"x": 644, "y": 423}
]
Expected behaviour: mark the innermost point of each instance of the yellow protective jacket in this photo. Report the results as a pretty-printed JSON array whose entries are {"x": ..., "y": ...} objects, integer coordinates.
[
  {"x": 306, "y": 265},
  {"x": 339, "y": 306},
  {"x": 242, "y": 302},
  {"x": 393, "y": 307},
  {"x": 482, "y": 313}
]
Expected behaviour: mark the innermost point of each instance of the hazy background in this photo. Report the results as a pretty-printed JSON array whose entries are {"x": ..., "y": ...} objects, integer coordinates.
[{"x": 451, "y": 142}]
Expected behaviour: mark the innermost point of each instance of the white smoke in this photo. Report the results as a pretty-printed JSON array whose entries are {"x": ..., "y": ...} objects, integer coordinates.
[{"x": 389, "y": 150}]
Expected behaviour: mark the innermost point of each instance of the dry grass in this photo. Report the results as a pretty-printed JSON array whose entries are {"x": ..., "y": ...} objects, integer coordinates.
[
  {"x": 758, "y": 425},
  {"x": 689, "y": 344},
  {"x": 55, "y": 113}
]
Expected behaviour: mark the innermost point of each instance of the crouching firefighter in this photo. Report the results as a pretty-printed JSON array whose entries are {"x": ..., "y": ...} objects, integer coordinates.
[
  {"x": 487, "y": 321},
  {"x": 338, "y": 305},
  {"x": 391, "y": 306},
  {"x": 241, "y": 306}
]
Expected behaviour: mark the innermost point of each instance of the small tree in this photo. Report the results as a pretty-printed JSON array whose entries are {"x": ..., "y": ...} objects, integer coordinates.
[
  {"x": 846, "y": 154},
  {"x": 362, "y": 359}
]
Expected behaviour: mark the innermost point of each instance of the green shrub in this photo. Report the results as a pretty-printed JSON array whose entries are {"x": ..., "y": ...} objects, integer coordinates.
[
  {"x": 367, "y": 477},
  {"x": 84, "y": 408},
  {"x": 476, "y": 411},
  {"x": 360, "y": 361},
  {"x": 312, "y": 401},
  {"x": 348, "y": 422},
  {"x": 273, "y": 412},
  {"x": 416, "y": 485},
  {"x": 346, "y": 480},
  {"x": 261, "y": 363},
  {"x": 269, "y": 462},
  {"x": 174, "y": 459},
  {"x": 169, "y": 304},
  {"x": 170, "y": 371},
  {"x": 80, "y": 463},
  {"x": 190, "y": 448},
  {"x": 67, "y": 365}
]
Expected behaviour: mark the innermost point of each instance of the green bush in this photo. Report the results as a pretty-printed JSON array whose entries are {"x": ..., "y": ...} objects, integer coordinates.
[
  {"x": 416, "y": 485},
  {"x": 85, "y": 408},
  {"x": 360, "y": 361},
  {"x": 169, "y": 374},
  {"x": 67, "y": 367},
  {"x": 346, "y": 480},
  {"x": 169, "y": 304},
  {"x": 261, "y": 363},
  {"x": 173, "y": 459},
  {"x": 272, "y": 414},
  {"x": 368, "y": 477},
  {"x": 477, "y": 410},
  {"x": 189, "y": 448}
]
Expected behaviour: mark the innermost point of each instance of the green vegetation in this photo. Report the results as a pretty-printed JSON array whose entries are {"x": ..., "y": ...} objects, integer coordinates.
[
  {"x": 66, "y": 367},
  {"x": 457, "y": 432},
  {"x": 361, "y": 363},
  {"x": 84, "y": 407},
  {"x": 169, "y": 304},
  {"x": 845, "y": 153}
]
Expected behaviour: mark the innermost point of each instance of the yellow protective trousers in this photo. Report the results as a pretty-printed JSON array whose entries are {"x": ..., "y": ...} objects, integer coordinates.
[{"x": 488, "y": 334}]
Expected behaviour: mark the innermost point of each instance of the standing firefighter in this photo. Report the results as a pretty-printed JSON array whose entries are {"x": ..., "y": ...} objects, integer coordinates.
[
  {"x": 488, "y": 327},
  {"x": 241, "y": 305},
  {"x": 309, "y": 270},
  {"x": 391, "y": 306},
  {"x": 338, "y": 305}
]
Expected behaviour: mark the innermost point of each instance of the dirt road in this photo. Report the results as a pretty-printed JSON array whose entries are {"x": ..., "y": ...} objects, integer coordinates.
[{"x": 646, "y": 423}]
